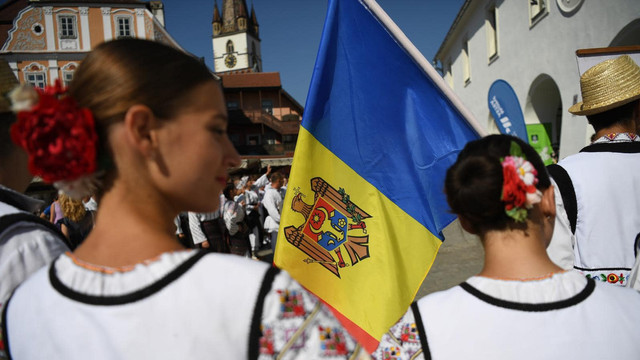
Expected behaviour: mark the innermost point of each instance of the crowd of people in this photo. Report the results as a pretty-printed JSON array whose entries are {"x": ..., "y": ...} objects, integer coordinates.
[
  {"x": 157, "y": 274},
  {"x": 246, "y": 222}
]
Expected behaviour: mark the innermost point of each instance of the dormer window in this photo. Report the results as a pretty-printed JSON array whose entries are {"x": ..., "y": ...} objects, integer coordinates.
[
  {"x": 123, "y": 26},
  {"x": 67, "y": 27}
]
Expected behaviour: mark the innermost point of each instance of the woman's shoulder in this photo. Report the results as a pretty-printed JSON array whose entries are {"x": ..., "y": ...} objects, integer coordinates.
[{"x": 295, "y": 323}]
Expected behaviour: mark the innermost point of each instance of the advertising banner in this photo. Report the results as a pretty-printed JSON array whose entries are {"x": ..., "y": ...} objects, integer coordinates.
[{"x": 505, "y": 108}]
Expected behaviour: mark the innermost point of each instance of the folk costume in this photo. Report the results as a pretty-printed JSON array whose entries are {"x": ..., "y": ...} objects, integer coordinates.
[
  {"x": 27, "y": 242},
  {"x": 598, "y": 209},
  {"x": 272, "y": 203},
  {"x": 557, "y": 317},
  {"x": 597, "y": 202},
  {"x": 209, "y": 227},
  {"x": 252, "y": 218},
  {"x": 233, "y": 214},
  {"x": 248, "y": 310}
]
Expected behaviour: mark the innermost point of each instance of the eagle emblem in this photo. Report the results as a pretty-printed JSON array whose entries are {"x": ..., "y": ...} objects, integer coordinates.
[{"x": 333, "y": 225}]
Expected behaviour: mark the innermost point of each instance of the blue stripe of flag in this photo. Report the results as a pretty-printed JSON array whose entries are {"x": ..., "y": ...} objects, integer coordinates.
[{"x": 372, "y": 106}]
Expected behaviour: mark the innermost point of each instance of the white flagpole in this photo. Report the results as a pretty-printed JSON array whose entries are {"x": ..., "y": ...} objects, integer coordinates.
[{"x": 423, "y": 63}]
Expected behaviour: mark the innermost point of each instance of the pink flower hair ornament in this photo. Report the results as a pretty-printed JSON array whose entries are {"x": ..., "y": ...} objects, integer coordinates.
[
  {"x": 58, "y": 136},
  {"x": 519, "y": 192}
]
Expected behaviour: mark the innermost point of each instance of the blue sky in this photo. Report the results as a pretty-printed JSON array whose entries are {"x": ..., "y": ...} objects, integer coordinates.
[{"x": 290, "y": 31}]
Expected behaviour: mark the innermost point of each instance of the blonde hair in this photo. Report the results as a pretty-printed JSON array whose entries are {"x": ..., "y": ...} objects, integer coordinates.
[{"x": 72, "y": 209}]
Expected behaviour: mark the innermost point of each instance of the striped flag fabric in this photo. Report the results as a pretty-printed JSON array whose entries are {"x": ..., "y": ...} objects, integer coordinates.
[{"x": 364, "y": 211}]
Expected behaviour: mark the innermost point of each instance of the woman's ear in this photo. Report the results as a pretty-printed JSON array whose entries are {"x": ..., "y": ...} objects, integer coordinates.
[
  {"x": 548, "y": 203},
  {"x": 140, "y": 123}
]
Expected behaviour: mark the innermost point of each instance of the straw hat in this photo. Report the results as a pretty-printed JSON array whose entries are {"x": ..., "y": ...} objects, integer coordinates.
[
  {"x": 607, "y": 85},
  {"x": 8, "y": 82}
]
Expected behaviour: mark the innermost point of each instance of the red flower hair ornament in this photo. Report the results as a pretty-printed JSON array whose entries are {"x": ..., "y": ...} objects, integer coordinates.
[
  {"x": 519, "y": 192},
  {"x": 59, "y": 137}
]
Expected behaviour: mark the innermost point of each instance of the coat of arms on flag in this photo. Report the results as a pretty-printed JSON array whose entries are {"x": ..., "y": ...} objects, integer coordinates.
[{"x": 332, "y": 223}]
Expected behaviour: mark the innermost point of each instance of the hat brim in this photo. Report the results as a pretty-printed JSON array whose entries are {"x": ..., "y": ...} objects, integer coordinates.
[{"x": 577, "y": 109}]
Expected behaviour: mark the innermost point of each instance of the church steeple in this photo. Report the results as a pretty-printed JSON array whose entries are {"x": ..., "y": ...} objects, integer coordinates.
[
  {"x": 254, "y": 22},
  {"x": 235, "y": 17},
  {"x": 236, "y": 43},
  {"x": 229, "y": 16},
  {"x": 217, "y": 21}
]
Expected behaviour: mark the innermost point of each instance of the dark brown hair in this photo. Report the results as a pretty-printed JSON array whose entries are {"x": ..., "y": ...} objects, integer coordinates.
[
  {"x": 122, "y": 73},
  {"x": 275, "y": 177},
  {"x": 622, "y": 114},
  {"x": 473, "y": 184}
]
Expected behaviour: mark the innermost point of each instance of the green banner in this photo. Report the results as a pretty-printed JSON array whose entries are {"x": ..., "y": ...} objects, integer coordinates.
[{"x": 539, "y": 140}]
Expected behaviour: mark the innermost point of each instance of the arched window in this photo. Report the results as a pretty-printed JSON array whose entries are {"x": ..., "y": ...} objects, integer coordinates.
[
  {"x": 35, "y": 75},
  {"x": 230, "y": 47},
  {"x": 67, "y": 73}
]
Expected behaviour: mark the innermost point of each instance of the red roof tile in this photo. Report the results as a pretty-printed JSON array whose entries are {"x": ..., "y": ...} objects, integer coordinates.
[{"x": 251, "y": 80}]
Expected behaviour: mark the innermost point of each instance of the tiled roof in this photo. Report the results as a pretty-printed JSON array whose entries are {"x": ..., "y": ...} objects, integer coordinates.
[
  {"x": 251, "y": 80},
  {"x": 92, "y": 1}
]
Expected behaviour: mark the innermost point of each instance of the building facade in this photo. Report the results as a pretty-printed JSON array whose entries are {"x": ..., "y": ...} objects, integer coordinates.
[
  {"x": 532, "y": 44},
  {"x": 46, "y": 40}
]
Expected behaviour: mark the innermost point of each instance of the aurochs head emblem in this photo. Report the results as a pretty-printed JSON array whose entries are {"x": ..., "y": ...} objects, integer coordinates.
[{"x": 333, "y": 223}]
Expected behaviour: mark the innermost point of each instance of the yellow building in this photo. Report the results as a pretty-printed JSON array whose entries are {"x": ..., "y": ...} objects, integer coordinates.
[{"x": 46, "y": 40}]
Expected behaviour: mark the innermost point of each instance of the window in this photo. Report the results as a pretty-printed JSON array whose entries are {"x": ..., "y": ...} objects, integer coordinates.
[
  {"x": 537, "y": 10},
  {"x": 492, "y": 33},
  {"x": 123, "y": 26},
  {"x": 267, "y": 106},
  {"x": 230, "y": 47},
  {"x": 289, "y": 139},
  {"x": 269, "y": 139},
  {"x": 253, "y": 139},
  {"x": 67, "y": 27},
  {"x": 466, "y": 66},
  {"x": 67, "y": 76},
  {"x": 242, "y": 23},
  {"x": 36, "y": 79}
]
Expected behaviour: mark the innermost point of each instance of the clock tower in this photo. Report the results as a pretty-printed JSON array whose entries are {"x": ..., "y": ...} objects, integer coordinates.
[{"x": 236, "y": 40}]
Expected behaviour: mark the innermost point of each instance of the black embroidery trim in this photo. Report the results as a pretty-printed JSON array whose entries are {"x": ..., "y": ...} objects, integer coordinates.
[
  {"x": 626, "y": 147},
  {"x": 255, "y": 332},
  {"x": 601, "y": 269},
  {"x": 5, "y": 332},
  {"x": 128, "y": 298},
  {"x": 7, "y": 198},
  {"x": 557, "y": 305},
  {"x": 565, "y": 185},
  {"x": 423, "y": 333},
  {"x": 8, "y": 220}
]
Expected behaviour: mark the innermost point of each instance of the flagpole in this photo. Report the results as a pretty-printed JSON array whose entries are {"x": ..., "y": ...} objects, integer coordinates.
[{"x": 417, "y": 56}]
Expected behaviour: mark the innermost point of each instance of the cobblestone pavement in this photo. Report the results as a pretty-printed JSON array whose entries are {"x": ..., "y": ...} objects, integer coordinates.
[{"x": 460, "y": 256}]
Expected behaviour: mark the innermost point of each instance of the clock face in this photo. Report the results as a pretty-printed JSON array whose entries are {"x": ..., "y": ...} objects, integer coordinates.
[{"x": 230, "y": 61}]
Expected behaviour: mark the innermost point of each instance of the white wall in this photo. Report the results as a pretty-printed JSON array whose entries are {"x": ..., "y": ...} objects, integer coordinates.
[{"x": 525, "y": 53}]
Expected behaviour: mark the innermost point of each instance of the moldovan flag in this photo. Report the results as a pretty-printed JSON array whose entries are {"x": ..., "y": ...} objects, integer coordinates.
[{"x": 363, "y": 216}]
